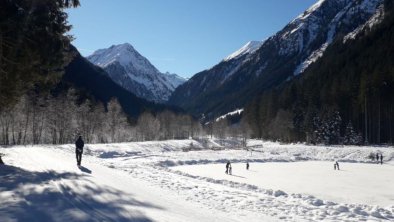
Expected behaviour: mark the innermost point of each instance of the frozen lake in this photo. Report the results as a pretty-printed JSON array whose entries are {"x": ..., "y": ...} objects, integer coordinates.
[{"x": 360, "y": 183}]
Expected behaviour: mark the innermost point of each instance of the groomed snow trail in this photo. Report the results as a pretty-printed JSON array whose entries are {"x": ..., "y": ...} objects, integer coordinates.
[{"x": 45, "y": 185}]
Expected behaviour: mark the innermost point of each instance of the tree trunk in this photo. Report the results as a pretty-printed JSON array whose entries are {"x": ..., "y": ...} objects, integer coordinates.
[
  {"x": 378, "y": 139},
  {"x": 366, "y": 121},
  {"x": 390, "y": 122}
]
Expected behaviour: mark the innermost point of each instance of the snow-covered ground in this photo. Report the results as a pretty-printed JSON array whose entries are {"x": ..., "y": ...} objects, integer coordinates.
[
  {"x": 353, "y": 183},
  {"x": 185, "y": 181}
]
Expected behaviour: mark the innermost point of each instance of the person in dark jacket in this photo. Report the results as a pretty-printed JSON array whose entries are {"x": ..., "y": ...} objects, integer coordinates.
[
  {"x": 228, "y": 166},
  {"x": 377, "y": 157},
  {"x": 79, "y": 149},
  {"x": 381, "y": 158},
  {"x": 247, "y": 165}
]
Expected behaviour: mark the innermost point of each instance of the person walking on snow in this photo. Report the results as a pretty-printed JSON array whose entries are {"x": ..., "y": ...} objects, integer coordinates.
[
  {"x": 247, "y": 165},
  {"x": 336, "y": 165},
  {"x": 381, "y": 158},
  {"x": 377, "y": 157},
  {"x": 227, "y": 166},
  {"x": 79, "y": 150}
]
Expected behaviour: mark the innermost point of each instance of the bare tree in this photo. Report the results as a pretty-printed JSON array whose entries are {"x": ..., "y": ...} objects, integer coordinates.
[
  {"x": 167, "y": 125},
  {"x": 148, "y": 126},
  {"x": 220, "y": 128},
  {"x": 116, "y": 121}
]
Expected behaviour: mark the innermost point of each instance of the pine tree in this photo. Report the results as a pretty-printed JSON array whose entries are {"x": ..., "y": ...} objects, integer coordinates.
[{"x": 33, "y": 45}]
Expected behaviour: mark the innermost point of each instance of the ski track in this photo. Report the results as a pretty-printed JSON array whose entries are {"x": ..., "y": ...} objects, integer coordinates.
[{"x": 149, "y": 170}]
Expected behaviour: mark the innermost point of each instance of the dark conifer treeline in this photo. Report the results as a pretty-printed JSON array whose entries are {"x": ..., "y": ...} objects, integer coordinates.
[
  {"x": 30, "y": 31},
  {"x": 350, "y": 90}
]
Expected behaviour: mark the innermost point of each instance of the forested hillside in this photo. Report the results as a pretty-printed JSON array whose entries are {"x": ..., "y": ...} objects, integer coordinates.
[
  {"x": 347, "y": 96},
  {"x": 49, "y": 93}
]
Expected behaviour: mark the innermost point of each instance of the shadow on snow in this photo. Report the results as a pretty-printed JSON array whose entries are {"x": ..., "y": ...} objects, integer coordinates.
[
  {"x": 85, "y": 170},
  {"x": 42, "y": 196}
]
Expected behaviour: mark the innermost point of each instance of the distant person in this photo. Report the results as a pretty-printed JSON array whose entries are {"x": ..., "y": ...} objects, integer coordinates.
[
  {"x": 230, "y": 170},
  {"x": 377, "y": 157},
  {"x": 227, "y": 167},
  {"x": 79, "y": 149},
  {"x": 381, "y": 158},
  {"x": 336, "y": 165},
  {"x": 247, "y": 165}
]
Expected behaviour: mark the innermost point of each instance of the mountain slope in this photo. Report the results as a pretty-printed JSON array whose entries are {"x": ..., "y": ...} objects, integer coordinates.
[
  {"x": 235, "y": 81},
  {"x": 135, "y": 73},
  {"x": 353, "y": 80},
  {"x": 94, "y": 81}
]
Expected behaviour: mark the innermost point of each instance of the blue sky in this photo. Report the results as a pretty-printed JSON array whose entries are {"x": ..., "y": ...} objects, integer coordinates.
[{"x": 180, "y": 36}]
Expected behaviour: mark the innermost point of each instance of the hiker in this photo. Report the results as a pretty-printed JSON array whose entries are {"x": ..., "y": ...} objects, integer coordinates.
[
  {"x": 337, "y": 164},
  {"x": 381, "y": 158},
  {"x": 247, "y": 165},
  {"x": 377, "y": 157},
  {"x": 227, "y": 167},
  {"x": 230, "y": 170},
  {"x": 79, "y": 149}
]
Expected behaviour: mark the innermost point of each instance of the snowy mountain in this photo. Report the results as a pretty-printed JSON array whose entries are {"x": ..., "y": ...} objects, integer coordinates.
[
  {"x": 90, "y": 80},
  {"x": 134, "y": 72},
  {"x": 260, "y": 66},
  {"x": 248, "y": 48}
]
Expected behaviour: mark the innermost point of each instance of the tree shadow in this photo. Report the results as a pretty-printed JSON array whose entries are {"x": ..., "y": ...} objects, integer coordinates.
[{"x": 53, "y": 196}]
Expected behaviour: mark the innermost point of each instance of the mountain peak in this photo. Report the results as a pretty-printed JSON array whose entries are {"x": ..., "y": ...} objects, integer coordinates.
[
  {"x": 311, "y": 9},
  {"x": 124, "y": 54},
  {"x": 128, "y": 68},
  {"x": 125, "y": 47},
  {"x": 248, "y": 48}
]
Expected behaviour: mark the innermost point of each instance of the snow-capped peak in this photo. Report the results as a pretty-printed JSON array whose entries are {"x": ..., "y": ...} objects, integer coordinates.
[
  {"x": 128, "y": 68},
  {"x": 311, "y": 9},
  {"x": 125, "y": 55},
  {"x": 248, "y": 48},
  {"x": 174, "y": 79}
]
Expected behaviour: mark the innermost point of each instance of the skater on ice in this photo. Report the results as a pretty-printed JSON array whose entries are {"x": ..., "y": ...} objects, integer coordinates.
[{"x": 79, "y": 150}]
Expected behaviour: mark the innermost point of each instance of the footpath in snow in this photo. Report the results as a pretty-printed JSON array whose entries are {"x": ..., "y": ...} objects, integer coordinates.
[{"x": 185, "y": 181}]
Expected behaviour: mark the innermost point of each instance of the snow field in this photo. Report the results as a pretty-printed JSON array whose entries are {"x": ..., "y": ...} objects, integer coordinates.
[
  {"x": 151, "y": 189},
  {"x": 357, "y": 183}
]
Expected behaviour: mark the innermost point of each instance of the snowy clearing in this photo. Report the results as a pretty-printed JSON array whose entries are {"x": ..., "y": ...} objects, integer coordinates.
[
  {"x": 144, "y": 182},
  {"x": 354, "y": 183}
]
